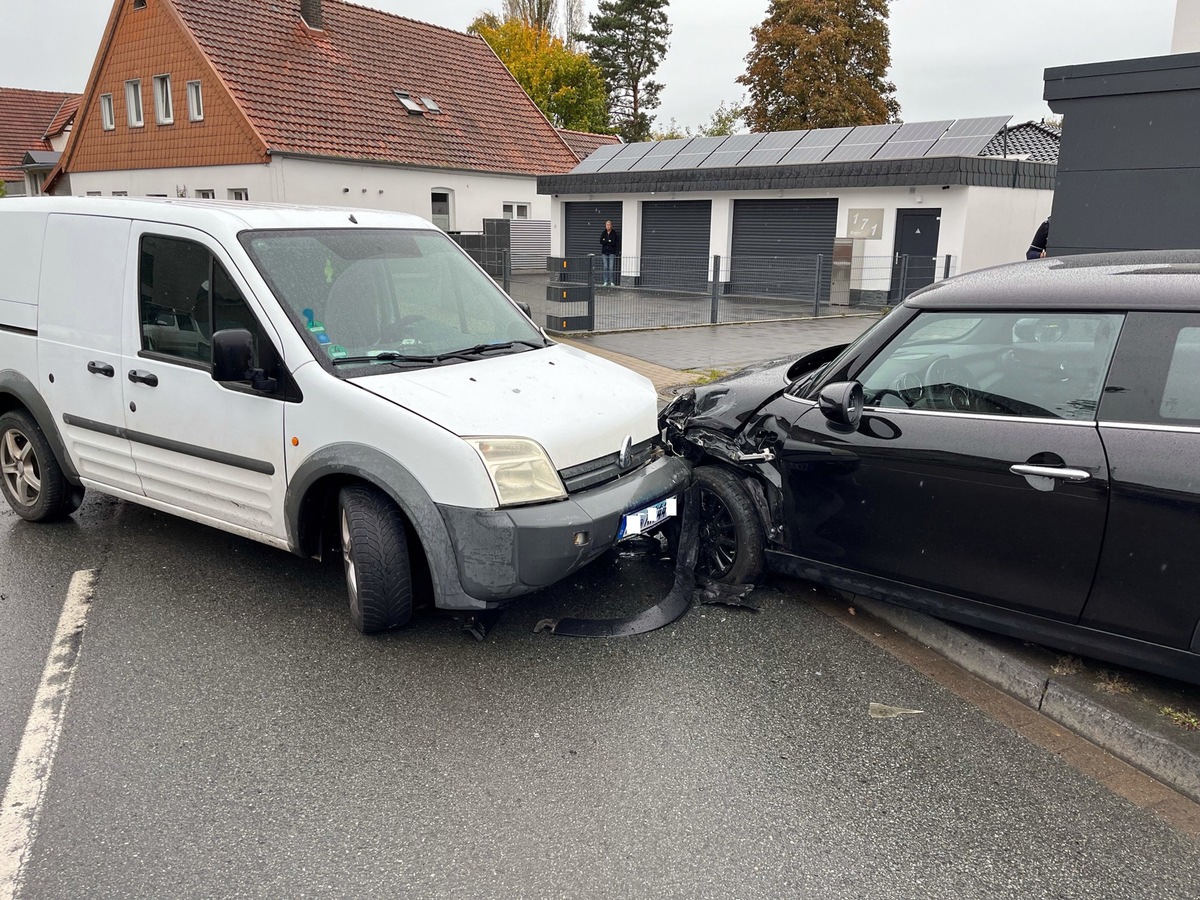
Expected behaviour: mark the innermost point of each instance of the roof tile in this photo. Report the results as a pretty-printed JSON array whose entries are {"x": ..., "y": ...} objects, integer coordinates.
[{"x": 331, "y": 92}]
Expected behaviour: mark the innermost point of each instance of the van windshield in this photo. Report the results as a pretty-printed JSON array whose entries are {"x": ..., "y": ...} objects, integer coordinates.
[{"x": 364, "y": 297}]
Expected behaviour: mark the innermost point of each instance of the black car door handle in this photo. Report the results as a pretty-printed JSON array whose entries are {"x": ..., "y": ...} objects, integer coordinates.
[
  {"x": 101, "y": 368},
  {"x": 147, "y": 378},
  {"x": 1051, "y": 472}
]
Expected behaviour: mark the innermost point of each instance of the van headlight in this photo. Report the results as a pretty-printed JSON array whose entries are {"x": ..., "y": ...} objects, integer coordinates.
[{"x": 520, "y": 470}]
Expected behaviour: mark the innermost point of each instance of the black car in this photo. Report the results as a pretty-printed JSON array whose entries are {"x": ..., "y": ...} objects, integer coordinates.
[{"x": 1016, "y": 449}]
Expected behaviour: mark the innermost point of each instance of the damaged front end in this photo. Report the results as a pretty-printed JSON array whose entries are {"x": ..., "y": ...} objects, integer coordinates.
[{"x": 723, "y": 430}]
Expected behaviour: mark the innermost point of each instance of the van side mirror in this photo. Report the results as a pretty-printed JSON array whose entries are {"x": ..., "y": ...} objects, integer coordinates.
[
  {"x": 524, "y": 307},
  {"x": 842, "y": 403},
  {"x": 233, "y": 360}
]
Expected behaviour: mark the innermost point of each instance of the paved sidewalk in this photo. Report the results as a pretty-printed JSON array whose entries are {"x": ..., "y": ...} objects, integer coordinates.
[{"x": 1137, "y": 717}]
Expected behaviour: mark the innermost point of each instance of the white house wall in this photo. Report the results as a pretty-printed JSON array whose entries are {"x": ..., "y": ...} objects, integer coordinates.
[
  {"x": 476, "y": 196},
  {"x": 978, "y": 225},
  {"x": 1000, "y": 224}
]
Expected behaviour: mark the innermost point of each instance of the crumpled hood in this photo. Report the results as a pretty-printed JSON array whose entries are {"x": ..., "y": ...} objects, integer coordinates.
[
  {"x": 727, "y": 404},
  {"x": 576, "y": 405}
]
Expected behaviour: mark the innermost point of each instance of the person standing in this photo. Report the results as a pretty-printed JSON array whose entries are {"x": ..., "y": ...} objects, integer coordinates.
[
  {"x": 610, "y": 249},
  {"x": 1041, "y": 240}
]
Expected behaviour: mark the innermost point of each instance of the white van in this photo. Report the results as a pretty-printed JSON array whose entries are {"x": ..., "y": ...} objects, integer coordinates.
[{"x": 321, "y": 380}]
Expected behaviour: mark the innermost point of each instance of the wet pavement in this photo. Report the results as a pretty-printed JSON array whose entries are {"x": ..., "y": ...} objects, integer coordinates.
[{"x": 229, "y": 735}]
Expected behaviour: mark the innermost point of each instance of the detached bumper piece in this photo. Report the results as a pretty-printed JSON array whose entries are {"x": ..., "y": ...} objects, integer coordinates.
[{"x": 667, "y": 610}]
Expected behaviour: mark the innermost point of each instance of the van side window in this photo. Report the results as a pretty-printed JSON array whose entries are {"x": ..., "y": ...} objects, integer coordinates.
[
  {"x": 185, "y": 295},
  {"x": 173, "y": 278}
]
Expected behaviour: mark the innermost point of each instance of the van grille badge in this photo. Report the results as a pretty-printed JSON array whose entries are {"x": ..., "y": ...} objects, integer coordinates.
[{"x": 625, "y": 457}]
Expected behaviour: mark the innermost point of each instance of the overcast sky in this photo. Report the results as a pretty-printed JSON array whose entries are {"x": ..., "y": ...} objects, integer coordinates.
[{"x": 950, "y": 58}]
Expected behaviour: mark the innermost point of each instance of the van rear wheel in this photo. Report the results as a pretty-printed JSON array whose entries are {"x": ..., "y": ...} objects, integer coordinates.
[
  {"x": 30, "y": 477},
  {"x": 375, "y": 557}
]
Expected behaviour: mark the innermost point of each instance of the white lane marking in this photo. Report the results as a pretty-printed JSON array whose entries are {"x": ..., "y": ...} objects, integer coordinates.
[{"x": 22, "y": 804}]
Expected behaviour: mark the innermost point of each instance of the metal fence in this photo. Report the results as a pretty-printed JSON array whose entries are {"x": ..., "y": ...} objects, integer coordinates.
[{"x": 585, "y": 294}]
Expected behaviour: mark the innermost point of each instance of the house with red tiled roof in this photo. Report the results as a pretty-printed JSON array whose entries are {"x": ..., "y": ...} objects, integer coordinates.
[
  {"x": 33, "y": 130},
  {"x": 585, "y": 143},
  {"x": 309, "y": 101}
]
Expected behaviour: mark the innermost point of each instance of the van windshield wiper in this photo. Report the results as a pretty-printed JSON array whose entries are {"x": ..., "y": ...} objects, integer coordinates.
[
  {"x": 479, "y": 349},
  {"x": 392, "y": 356}
]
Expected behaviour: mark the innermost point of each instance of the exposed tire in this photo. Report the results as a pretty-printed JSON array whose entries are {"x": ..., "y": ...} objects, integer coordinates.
[
  {"x": 30, "y": 477},
  {"x": 375, "y": 558},
  {"x": 731, "y": 533}
]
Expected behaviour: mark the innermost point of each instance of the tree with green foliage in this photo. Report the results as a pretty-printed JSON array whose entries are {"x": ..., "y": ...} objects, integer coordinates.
[
  {"x": 725, "y": 120},
  {"x": 820, "y": 64},
  {"x": 564, "y": 83},
  {"x": 628, "y": 41},
  {"x": 3, "y": 189}
]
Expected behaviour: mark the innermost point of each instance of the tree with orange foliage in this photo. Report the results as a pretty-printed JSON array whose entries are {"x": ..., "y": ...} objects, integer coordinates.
[{"x": 820, "y": 64}]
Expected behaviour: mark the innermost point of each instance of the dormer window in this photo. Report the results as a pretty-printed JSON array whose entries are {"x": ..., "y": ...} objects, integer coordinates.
[
  {"x": 139, "y": 4},
  {"x": 414, "y": 108}
]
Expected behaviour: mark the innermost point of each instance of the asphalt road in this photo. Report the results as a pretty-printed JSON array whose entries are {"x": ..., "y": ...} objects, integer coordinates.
[{"x": 228, "y": 735}]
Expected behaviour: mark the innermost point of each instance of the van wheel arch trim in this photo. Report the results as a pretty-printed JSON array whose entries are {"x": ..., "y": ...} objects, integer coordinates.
[
  {"x": 374, "y": 467},
  {"x": 26, "y": 394}
]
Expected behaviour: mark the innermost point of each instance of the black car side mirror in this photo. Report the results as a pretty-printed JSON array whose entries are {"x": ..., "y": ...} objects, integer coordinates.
[
  {"x": 233, "y": 359},
  {"x": 842, "y": 403}
]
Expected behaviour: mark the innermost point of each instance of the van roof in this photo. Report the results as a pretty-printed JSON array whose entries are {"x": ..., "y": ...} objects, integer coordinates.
[{"x": 209, "y": 214}]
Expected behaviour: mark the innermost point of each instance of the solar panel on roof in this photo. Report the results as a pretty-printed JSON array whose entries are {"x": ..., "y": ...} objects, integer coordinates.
[
  {"x": 694, "y": 153},
  {"x": 597, "y": 158},
  {"x": 862, "y": 143},
  {"x": 772, "y": 148},
  {"x": 967, "y": 137},
  {"x": 659, "y": 154},
  {"x": 913, "y": 139},
  {"x": 630, "y": 154},
  {"x": 732, "y": 149},
  {"x": 815, "y": 146}
]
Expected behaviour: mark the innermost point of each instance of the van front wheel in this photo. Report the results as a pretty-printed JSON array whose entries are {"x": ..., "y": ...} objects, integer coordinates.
[
  {"x": 375, "y": 556},
  {"x": 30, "y": 477}
]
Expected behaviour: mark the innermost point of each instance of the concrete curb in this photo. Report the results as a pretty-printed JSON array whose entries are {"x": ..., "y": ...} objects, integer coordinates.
[{"x": 1036, "y": 685}]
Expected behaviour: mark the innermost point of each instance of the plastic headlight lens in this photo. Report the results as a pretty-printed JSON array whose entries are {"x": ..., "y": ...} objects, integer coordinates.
[{"x": 520, "y": 470}]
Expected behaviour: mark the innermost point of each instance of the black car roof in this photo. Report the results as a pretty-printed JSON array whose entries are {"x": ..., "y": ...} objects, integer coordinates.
[{"x": 1142, "y": 280}]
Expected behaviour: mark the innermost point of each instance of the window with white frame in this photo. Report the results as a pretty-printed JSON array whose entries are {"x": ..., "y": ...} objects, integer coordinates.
[
  {"x": 93, "y": 193},
  {"x": 195, "y": 97},
  {"x": 133, "y": 103},
  {"x": 120, "y": 193},
  {"x": 206, "y": 194},
  {"x": 516, "y": 210},
  {"x": 164, "y": 113},
  {"x": 108, "y": 121},
  {"x": 239, "y": 194}
]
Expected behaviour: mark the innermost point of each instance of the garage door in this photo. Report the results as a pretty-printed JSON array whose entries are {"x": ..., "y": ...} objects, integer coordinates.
[
  {"x": 585, "y": 221},
  {"x": 675, "y": 244},
  {"x": 776, "y": 246}
]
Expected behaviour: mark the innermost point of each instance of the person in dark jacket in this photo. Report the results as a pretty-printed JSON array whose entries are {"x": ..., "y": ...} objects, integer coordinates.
[
  {"x": 610, "y": 249},
  {"x": 1041, "y": 239}
]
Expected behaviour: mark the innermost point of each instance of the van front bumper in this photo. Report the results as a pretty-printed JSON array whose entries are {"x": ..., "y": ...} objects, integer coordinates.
[{"x": 504, "y": 553}]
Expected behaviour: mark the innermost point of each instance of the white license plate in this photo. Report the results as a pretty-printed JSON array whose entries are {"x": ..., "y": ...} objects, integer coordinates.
[{"x": 643, "y": 520}]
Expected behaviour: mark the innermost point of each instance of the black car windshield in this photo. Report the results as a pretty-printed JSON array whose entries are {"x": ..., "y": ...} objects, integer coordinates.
[{"x": 368, "y": 297}]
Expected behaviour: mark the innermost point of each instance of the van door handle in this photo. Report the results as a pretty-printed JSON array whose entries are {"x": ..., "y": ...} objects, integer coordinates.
[
  {"x": 1051, "y": 472},
  {"x": 101, "y": 368},
  {"x": 147, "y": 378}
]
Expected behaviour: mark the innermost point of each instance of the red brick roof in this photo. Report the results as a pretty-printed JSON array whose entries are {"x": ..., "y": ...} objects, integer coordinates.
[
  {"x": 66, "y": 113},
  {"x": 584, "y": 143},
  {"x": 331, "y": 93},
  {"x": 26, "y": 118}
]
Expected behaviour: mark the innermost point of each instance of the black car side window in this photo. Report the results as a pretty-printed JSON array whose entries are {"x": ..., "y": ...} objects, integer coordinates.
[
  {"x": 1007, "y": 364},
  {"x": 1155, "y": 377}
]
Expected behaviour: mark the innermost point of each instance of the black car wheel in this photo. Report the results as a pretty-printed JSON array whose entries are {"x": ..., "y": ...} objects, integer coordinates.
[
  {"x": 731, "y": 533},
  {"x": 30, "y": 477},
  {"x": 375, "y": 555}
]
